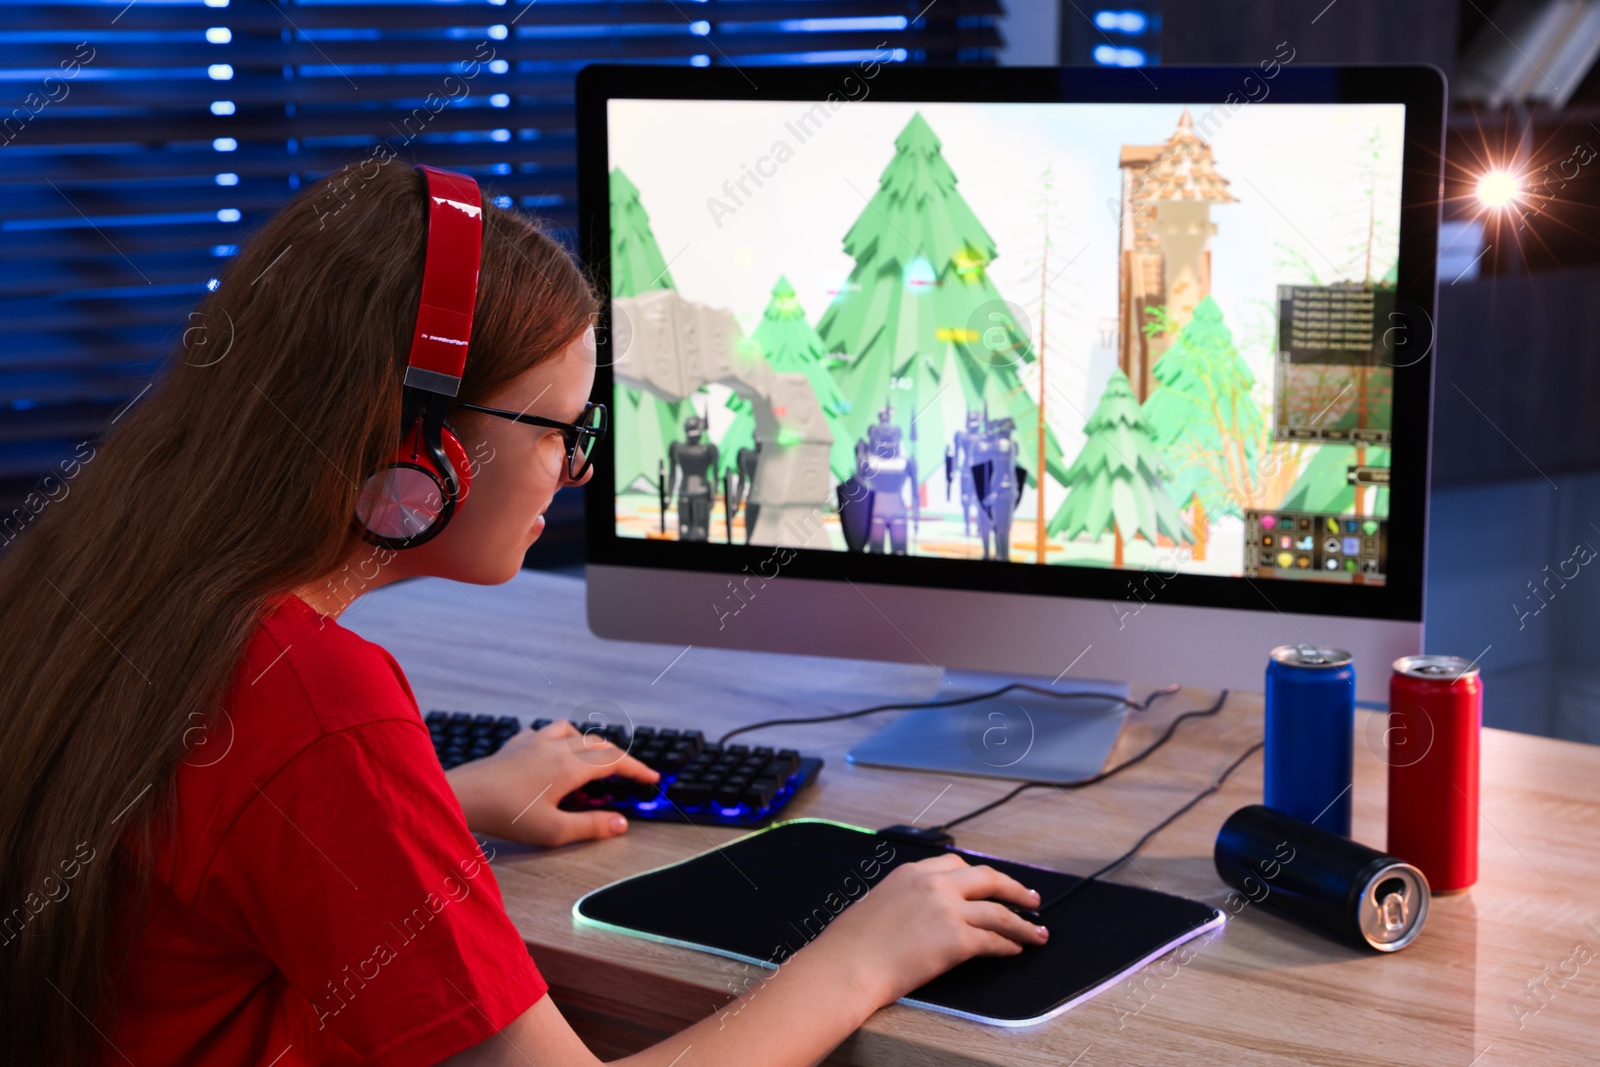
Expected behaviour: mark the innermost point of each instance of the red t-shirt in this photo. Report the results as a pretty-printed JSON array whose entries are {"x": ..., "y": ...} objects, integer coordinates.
[{"x": 324, "y": 901}]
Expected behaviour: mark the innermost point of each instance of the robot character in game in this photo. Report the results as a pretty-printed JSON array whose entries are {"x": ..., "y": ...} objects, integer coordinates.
[
  {"x": 959, "y": 456},
  {"x": 744, "y": 479},
  {"x": 698, "y": 461},
  {"x": 997, "y": 483},
  {"x": 887, "y": 472}
]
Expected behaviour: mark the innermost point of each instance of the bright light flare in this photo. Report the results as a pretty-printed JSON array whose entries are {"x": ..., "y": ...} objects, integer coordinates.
[{"x": 1497, "y": 188}]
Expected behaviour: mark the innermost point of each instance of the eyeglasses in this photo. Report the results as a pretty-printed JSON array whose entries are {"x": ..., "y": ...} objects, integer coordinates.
[{"x": 580, "y": 437}]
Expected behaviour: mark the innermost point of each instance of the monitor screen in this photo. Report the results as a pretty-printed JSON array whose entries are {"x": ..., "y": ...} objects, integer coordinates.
[
  {"x": 838, "y": 325},
  {"x": 1194, "y": 299}
]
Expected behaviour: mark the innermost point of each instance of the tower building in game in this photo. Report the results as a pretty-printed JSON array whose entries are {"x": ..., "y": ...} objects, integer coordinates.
[{"x": 1166, "y": 228}]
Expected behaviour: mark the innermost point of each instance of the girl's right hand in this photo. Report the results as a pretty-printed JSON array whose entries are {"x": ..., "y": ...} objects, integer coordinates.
[{"x": 922, "y": 919}]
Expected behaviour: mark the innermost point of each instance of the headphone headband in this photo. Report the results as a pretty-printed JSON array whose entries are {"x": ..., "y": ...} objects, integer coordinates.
[
  {"x": 409, "y": 498},
  {"x": 449, "y": 282}
]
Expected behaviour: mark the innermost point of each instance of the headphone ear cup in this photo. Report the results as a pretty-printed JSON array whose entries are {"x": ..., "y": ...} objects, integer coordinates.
[
  {"x": 402, "y": 499},
  {"x": 456, "y": 452},
  {"x": 405, "y": 499}
]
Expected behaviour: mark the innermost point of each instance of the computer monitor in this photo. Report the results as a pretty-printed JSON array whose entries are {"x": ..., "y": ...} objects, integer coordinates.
[{"x": 844, "y": 298}]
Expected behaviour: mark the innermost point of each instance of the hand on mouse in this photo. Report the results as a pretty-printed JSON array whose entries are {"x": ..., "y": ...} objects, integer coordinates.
[
  {"x": 924, "y": 918},
  {"x": 513, "y": 793}
]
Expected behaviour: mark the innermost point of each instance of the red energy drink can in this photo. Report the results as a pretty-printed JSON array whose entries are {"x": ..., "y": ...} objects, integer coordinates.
[{"x": 1435, "y": 715}]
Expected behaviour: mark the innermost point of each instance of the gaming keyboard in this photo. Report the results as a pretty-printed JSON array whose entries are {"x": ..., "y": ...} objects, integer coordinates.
[{"x": 701, "y": 781}]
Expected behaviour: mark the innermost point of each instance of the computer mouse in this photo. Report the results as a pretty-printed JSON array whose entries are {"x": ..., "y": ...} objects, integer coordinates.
[{"x": 1026, "y": 913}]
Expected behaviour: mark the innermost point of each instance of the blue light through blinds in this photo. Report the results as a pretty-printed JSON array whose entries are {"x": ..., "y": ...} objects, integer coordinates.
[{"x": 139, "y": 142}]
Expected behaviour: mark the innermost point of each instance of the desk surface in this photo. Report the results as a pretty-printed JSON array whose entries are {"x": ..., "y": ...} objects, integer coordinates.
[{"x": 1497, "y": 976}]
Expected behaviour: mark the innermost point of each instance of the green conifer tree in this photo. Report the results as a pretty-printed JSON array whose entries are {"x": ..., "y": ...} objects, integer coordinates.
[
  {"x": 791, "y": 345},
  {"x": 1117, "y": 484},
  {"x": 919, "y": 307},
  {"x": 1203, "y": 416},
  {"x": 1324, "y": 485}
]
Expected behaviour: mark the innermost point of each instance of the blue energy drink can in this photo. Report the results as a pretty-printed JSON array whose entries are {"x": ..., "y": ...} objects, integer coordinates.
[{"x": 1311, "y": 721}]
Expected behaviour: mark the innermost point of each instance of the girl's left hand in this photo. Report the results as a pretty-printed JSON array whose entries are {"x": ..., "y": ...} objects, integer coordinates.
[{"x": 513, "y": 794}]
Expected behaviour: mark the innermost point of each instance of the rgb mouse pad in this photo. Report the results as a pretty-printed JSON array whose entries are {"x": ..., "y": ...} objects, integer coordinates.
[{"x": 764, "y": 896}]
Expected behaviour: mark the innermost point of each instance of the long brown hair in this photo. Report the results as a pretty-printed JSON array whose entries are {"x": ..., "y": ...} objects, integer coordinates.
[{"x": 129, "y": 600}]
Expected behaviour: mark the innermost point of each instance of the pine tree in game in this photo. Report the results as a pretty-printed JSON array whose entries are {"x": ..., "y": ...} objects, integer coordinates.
[
  {"x": 644, "y": 424},
  {"x": 1324, "y": 486},
  {"x": 1117, "y": 484},
  {"x": 919, "y": 309},
  {"x": 1210, "y": 429},
  {"x": 791, "y": 346}
]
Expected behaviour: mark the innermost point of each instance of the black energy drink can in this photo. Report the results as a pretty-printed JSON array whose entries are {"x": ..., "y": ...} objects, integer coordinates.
[{"x": 1340, "y": 887}]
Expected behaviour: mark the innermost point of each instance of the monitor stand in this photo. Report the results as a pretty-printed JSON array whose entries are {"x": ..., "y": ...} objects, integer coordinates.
[{"x": 1018, "y": 735}]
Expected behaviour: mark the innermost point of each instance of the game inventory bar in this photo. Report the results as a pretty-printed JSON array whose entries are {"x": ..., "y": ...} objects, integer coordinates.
[{"x": 1311, "y": 545}]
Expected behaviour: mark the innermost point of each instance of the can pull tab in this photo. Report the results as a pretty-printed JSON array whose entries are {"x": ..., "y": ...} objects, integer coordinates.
[{"x": 1393, "y": 909}]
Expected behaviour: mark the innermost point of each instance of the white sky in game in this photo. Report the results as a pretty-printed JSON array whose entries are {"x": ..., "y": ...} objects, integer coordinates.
[{"x": 1301, "y": 173}]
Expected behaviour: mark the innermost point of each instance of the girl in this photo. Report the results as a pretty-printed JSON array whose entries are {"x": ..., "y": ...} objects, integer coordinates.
[{"x": 224, "y": 836}]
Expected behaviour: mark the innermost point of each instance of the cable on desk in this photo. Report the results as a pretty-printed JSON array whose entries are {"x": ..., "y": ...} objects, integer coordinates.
[
  {"x": 1164, "y": 823},
  {"x": 1166, "y": 736},
  {"x": 1136, "y": 705}
]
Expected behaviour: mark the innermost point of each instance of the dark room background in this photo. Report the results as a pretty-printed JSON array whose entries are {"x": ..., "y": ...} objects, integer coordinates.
[{"x": 140, "y": 142}]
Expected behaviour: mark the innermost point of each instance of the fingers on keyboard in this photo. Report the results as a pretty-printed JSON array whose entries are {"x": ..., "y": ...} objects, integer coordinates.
[{"x": 701, "y": 781}]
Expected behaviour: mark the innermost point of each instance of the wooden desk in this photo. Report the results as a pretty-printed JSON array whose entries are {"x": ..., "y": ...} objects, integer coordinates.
[{"x": 1260, "y": 991}]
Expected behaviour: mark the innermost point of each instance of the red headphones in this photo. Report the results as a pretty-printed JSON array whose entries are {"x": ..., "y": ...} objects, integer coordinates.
[{"x": 410, "y": 497}]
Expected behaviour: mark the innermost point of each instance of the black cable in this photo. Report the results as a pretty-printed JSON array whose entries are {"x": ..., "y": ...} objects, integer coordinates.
[
  {"x": 1163, "y": 824},
  {"x": 1092, "y": 779},
  {"x": 1134, "y": 704}
]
